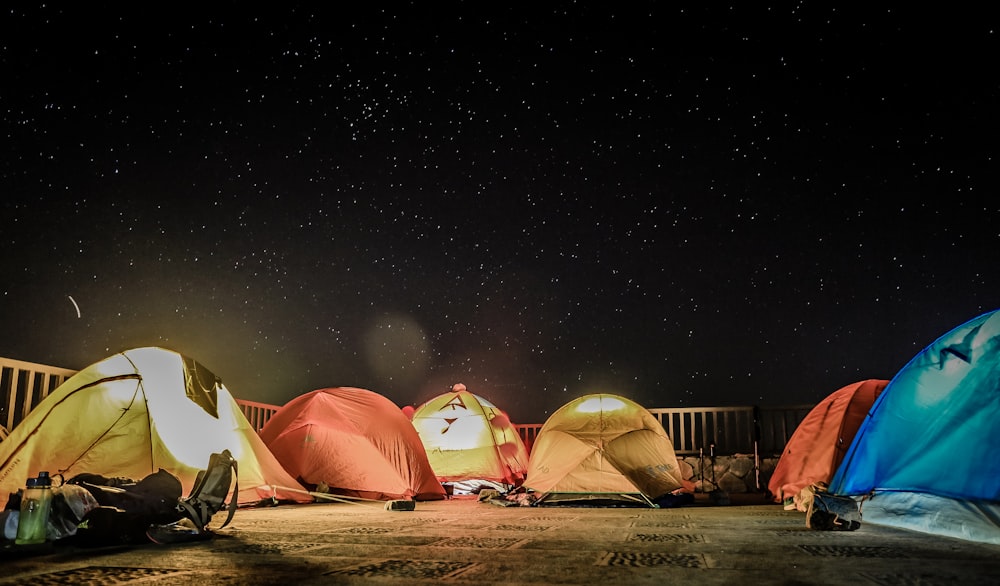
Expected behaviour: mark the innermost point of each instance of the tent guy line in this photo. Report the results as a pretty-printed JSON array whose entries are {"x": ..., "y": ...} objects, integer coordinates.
[{"x": 335, "y": 498}]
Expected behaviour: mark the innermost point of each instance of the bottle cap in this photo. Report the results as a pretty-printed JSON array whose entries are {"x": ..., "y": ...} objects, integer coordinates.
[{"x": 42, "y": 480}]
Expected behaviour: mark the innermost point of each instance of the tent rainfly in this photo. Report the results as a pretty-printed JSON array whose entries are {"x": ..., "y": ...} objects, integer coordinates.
[
  {"x": 925, "y": 458},
  {"x": 820, "y": 441},
  {"x": 352, "y": 442}
]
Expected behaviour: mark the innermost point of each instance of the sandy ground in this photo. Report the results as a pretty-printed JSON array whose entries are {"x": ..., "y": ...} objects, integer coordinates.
[{"x": 464, "y": 541}]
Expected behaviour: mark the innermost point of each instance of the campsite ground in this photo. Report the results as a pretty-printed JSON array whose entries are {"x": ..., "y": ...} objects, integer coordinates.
[{"x": 463, "y": 541}]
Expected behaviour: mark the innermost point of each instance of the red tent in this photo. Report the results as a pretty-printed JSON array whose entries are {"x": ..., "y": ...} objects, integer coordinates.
[
  {"x": 355, "y": 441},
  {"x": 816, "y": 449}
]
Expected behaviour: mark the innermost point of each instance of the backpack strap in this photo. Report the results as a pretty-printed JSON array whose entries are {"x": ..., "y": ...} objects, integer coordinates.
[{"x": 211, "y": 487}]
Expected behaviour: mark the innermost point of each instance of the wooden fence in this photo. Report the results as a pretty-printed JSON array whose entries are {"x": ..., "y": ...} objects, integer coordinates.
[
  {"x": 694, "y": 430},
  {"x": 22, "y": 386},
  {"x": 730, "y": 430}
]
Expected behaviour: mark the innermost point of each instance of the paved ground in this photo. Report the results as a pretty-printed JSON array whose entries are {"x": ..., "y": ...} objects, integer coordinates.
[{"x": 463, "y": 541}]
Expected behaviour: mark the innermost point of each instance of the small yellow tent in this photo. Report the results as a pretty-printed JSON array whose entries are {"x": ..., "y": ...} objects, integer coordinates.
[
  {"x": 602, "y": 448},
  {"x": 468, "y": 438},
  {"x": 134, "y": 413}
]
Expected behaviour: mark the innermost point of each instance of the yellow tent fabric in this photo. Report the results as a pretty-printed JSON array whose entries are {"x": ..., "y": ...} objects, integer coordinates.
[
  {"x": 602, "y": 447},
  {"x": 469, "y": 438},
  {"x": 134, "y": 413}
]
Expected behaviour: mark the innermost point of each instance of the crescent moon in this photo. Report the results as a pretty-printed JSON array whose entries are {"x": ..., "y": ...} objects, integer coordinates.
[{"x": 75, "y": 305}]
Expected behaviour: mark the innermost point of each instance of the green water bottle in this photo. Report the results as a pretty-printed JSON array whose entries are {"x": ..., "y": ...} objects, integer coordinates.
[{"x": 35, "y": 504}]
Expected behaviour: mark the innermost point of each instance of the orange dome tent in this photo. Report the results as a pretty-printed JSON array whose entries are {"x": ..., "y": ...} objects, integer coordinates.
[
  {"x": 355, "y": 441},
  {"x": 819, "y": 443}
]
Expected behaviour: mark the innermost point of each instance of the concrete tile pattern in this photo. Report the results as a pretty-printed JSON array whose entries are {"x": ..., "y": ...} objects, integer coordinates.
[{"x": 463, "y": 541}]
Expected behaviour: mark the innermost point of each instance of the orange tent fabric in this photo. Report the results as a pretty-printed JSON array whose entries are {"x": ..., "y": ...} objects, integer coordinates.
[
  {"x": 355, "y": 441},
  {"x": 468, "y": 438},
  {"x": 820, "y": 442}
]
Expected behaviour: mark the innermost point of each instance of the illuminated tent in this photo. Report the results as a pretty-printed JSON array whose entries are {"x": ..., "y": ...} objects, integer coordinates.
[
  {"x": 467, "y": 438},
  {"x": 602, "y": 449},
  {"x": 819, "y": 443},
  {"x": 353, "y": 441},
  {"x": 134, "y": 413},
  {"x": 926, "y": 456}
]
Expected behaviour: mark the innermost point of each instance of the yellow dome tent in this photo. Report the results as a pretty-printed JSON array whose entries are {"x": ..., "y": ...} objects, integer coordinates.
[
  {"x": 602, "y": 449},
  {"x": 468, "y": 438},
  {"x": 134, "y": 413}
]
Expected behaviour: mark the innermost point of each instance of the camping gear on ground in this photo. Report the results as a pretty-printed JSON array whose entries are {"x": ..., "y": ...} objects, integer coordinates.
[
  {"x": 211, "y": 489},
  {"x": 829, "y": 512},
  {"x": 470, "y": 442},
  {"x": 153, "y": 509},
  {"x": 819, "y": 443},
  {"x": 69, "y": 505},
  {"x": 604, "y": 450},
  {"x": 34, "y": 511},
  {"x": 134, "y": 413},
  {"x": 925, "y": 458},
  {"x": 351, "y": 442}
]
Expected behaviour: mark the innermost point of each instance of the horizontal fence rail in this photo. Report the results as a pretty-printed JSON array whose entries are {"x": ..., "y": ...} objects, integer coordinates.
[{"x": 693, "y": 430}]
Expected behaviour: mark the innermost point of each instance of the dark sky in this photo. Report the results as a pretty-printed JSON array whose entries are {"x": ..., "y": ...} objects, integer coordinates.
[{"x": 689, "y": 204}]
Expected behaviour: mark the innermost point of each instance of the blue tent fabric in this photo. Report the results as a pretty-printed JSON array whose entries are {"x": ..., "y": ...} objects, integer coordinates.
[{"x": 926, "y": 454}]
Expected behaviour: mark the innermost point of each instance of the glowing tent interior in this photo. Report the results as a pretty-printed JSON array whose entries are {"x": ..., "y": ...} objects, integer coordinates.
[
  {"x": 468, "y": 438},
  {"x": 134, "y": 413},
  {"x": 602, "y": 448}
]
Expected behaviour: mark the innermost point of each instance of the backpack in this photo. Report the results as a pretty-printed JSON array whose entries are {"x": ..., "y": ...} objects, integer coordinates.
[
  {"x": 211, "y": 487},
  {"x": 126, "y": 507},
  {"x": 153, "y": 509}
]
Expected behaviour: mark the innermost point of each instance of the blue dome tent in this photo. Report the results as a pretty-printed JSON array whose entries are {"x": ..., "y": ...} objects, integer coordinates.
[{"x": 925, "y": 457}]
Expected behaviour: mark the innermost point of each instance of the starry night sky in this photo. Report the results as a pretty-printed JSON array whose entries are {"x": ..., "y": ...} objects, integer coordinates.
[{"x": 689, "y": 204}]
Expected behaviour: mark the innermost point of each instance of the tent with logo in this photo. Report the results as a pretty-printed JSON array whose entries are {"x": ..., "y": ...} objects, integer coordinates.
[
  {"x": 467, "y": 438},
  {"x": 818, "y": 445},
  {"x": 926, "y": 456},
  {"x": 134, "y": 413},
  {"x": 602, "y": 449},
  {"x": 352, "y": 442}
]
